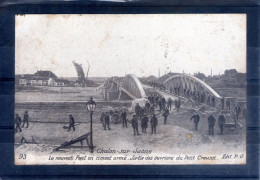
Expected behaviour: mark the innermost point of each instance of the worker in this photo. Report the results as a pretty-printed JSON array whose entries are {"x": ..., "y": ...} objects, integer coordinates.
[
  {"x": 144, "y": 123},
  {"x": 72, "y": 123},
  {"x": 196, "y": 119},
  {"x": 221, "y": 122},
  {"x": 26, "y": 119},
  {"x": 165, "y": 115},
  {"x": 123, "y": 116},
  {"x": 211, "y": 123},
  {"x": 135, "y": 125},
  {"x": 17, "y": 123},
  {"x": 154, "y": 122}
]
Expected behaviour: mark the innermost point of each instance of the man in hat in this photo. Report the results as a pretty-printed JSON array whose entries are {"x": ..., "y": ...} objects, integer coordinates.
[
  {"x": 107, "y": 121},
  {"x": 196, "y": 119},
  {"x": 154, "y": 122},
  {"x": 72, "y": 122},
  {"x": 222, "y": 102},
  {"x": 26, "y": 119},
  {"x": 17, "y": 124},
  {"x": 178, "y": 104},
  {"x": 237, "y": 111},
  {"x": 123, "y": 116},
  {"x": 221, "y": 122},
  {"x": 165, "y": 115},
  {"x": 208, "y": 100},
  {"x": 102, "y": 119},
  {"x": 213, "y": 101},
  {"x": 169, "y": 103},
  {"x": 137, "y": 109},
  {"x": 228, "y": 104},
  {"x": 144, "y": 123},
  {"x": 147, "y": 106},
  {"x": 135, "y": 125},
  {"x": 211, "y": 123}
]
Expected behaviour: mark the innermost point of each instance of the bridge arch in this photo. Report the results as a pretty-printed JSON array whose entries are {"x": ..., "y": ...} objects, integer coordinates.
[
  {"x": 191, "y": 83},
  {"x": 132, "y": 87}
]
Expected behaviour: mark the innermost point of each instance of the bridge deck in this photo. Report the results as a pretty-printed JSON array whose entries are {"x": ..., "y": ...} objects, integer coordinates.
[{"x": 166, "y": 95}]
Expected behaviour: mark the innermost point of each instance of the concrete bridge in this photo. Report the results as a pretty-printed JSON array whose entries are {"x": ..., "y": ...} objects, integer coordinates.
[{"x": 130, "y": 88}]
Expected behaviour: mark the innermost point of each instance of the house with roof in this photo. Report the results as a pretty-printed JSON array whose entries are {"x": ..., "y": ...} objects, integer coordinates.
[{"x": 40, "y": 78}]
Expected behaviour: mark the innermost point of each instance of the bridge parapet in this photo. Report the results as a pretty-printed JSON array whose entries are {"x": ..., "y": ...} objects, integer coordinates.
[
  {"x": 133, "y": 87},
  {"x": 190, "y": 86}
]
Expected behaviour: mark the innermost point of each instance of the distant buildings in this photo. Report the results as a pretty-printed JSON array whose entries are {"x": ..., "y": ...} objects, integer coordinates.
[{"x": 41, "y": 78}]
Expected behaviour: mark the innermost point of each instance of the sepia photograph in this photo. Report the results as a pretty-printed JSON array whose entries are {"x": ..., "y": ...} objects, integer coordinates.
[{"x": 130, "y": 89}]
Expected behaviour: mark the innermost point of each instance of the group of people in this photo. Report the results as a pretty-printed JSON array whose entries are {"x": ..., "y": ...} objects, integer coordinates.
[
  {"x": 144, "y": 124},
  {"x": 19, "y": 123},
  {"x": 105, "y": 120},
  {"x": 211, "y": 122},
  {"x": 156, "y": 100}
]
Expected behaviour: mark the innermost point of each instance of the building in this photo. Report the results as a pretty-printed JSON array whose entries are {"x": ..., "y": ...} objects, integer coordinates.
[{"x": 40, "y": 78}]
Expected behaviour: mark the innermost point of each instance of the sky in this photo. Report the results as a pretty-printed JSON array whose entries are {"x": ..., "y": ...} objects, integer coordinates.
[{"x": 115, "y": 45}]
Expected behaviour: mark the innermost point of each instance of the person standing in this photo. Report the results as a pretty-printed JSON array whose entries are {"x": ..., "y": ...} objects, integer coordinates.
[
  {"x": 102, "y": 119},
  {"x": 221, "y": 122},
  {"x": 25, "y": 119},
  {"x": 137, "y": 109},
  {"x": 147, "y": 106},
  {"x": 123, "y": 116},
  {"x": 154, "y": 122},
  {"x": 222, "y": 102},
  {"x": 211, "y": 123},
  {"x": 160, "y": 105},
  {"x": 144, "y": 123},
  {"x": 165, "y": 115},
  {"x": 135, "y": 125},
  {"x": 18, "y": 121},
  {"x": 228, "y": 104},
  {"x": 178, "y": 104},
  {"x": 237, "y": 111},
  {"x": 107, "y": 121},
  {"x": 213, "y": 101},
  {"x": 72, "y": 123},
  {"x": 196, "y": 119},
  {"x": 169, "y": 103},
  {"x": 208, "y": 100}
]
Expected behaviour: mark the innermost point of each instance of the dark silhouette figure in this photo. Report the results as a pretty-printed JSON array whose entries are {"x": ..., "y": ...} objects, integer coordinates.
[
  {"x": 72, "y": 122},
  {"x": 196, "y": 119},
  {"x": 123, "y": 116},
  {"x": 26, "y": 119},
  {"x": 165, "y": 115},
  {"x": 107, "y": 121},
  {"x": 211, "y": 123},
  {"x": 18, "y": 121},
  {"x": 135, "y": 125},
  {"x": 221, "y": 122},
  {"x": 144, "y": 123},
  {"x": 228, "y": 104},
  {"x": 154, "y": 122}
]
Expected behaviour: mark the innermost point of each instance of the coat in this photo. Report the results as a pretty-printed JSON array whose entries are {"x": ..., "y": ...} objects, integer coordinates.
[{"x": 154, "y": 121}]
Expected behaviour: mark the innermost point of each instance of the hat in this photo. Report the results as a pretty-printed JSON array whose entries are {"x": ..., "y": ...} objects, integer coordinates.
[{"x": 70, "y": 115}]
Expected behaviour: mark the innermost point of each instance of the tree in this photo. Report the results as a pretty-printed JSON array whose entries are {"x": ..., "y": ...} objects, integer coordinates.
[
  {"x": 230, "y": 73},
  {"x": 200, "y": 75}
]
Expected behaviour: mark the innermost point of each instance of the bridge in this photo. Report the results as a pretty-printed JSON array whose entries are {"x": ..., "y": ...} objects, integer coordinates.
[
  {"x": 186, "y": 84},
  {"x": 128, "y": 88},
  {"x": 131, "y": 87}
]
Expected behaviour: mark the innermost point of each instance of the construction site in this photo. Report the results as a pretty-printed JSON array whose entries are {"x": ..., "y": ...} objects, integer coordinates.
[{"x": 49, "y": 109}]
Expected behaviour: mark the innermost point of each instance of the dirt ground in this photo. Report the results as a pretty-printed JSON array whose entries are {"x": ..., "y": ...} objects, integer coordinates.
[{"x": 177, "y": 136}]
